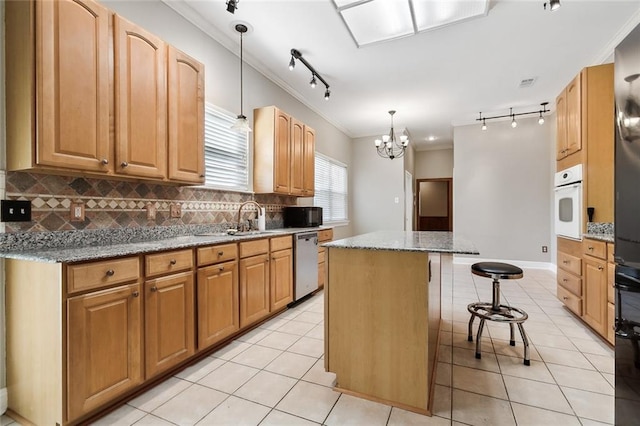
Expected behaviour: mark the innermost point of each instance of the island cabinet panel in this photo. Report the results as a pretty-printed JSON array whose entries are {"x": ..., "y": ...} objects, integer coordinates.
[
  {"x": 218, "y": 303},
  {"x": 105, "y": 353},
  {"x": 169, "y": 322},
  {"x": 55, "y": 119},
  {"x": 378, "y": 317},
  {"x": 141, "y": 101}
]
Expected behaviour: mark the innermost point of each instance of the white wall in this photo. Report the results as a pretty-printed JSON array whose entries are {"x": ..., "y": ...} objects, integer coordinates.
[
  {"x": 502, "y": 188},
  {"x": 375, "y": 184},
  {"x": 222, "y": 78},
  {"x": 436, "y": 163}
]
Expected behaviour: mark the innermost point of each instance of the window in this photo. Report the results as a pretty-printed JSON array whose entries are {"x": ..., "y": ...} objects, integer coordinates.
[
  {"x": 225, "y": 152},
  {"x": 331, "y": 189}
]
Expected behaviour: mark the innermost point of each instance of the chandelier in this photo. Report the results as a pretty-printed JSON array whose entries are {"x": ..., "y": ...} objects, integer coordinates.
[{"x": 388, "y": 146}]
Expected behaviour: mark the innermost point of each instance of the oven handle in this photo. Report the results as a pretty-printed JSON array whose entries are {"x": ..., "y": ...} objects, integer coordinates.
[{"x": 562, "y": 188}]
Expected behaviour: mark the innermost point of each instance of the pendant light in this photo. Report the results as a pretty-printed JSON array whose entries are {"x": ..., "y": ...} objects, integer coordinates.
[{"x": 241, "y": 124}]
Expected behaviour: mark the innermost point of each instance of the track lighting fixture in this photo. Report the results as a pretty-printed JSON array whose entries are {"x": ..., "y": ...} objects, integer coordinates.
[
  {"x": 232, "y": 5},
  {"x": 513, "y": 116},
  {"x": 553, "y": 5},
  {"x": 295, "y": 54}
]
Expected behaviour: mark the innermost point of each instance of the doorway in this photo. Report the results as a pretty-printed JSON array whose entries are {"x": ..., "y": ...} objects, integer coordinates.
[{"x": 434, "y": 206}]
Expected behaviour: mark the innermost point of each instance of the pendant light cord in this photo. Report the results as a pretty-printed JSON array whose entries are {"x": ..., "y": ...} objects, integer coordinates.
[{"x": 241, "y": 83}]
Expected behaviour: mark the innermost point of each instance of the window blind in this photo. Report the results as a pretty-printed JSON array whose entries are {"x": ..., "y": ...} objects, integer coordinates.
[
  {"x": 225, "y": 152},
  {"x": 330, "y": 188}
]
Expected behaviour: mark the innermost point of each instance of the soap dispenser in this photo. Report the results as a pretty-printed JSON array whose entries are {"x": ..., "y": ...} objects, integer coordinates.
[{"x": 261, "y": 218}]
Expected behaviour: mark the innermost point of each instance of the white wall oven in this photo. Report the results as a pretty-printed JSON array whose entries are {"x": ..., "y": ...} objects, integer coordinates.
[{"x": 568, "y": 202}]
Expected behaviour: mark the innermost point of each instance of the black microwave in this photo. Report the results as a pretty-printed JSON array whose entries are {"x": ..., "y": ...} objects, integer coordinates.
[{"x": 302, "y": 217}]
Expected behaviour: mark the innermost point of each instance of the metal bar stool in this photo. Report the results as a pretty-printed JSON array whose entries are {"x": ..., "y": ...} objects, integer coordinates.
[{"x": 494, "y": 311}]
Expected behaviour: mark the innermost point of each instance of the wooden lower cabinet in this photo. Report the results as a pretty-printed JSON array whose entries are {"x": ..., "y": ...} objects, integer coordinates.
[
  {"x": 595, "y": 293},
  {"x": 611, "y": 323},
  {"x": 254, "y": 289},
  {"x": 218, "y": 303},
  {"x": 324, "y": 235},
  {"x": 104, "y": 357},
  {"x": 169, "y": 322},
  {"x": 281, "y": 279}
]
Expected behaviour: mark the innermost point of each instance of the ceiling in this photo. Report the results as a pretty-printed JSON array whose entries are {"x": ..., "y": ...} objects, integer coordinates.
[{"x": 436, "y": 79}]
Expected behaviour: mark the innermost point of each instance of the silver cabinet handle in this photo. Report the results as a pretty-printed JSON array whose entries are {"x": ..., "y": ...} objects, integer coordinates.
[
  {"x": 105, "y": 161},
  {"x": 172, "y": 262},
  {"x": 600, "y": 268},
  {"x": 124, "y": 164},
  {"x": 110, "y": 272},
  {"x": 135, "y": 293},
  {"x": 154, "y": 288}
]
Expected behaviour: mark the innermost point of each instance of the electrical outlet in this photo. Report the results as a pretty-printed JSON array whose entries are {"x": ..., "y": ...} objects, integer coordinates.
[
  {"x": 544, "y": 249},
  {"x": 15, "y": 211},
  {"x": 175, "y": 210},
  {"x": 77, "y": 211},
  {"x": 151, "y": 211}
]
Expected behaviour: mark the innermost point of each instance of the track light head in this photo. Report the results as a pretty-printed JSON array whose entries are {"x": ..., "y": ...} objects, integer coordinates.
[
  {"x": 553, "y": 5},
  {"x": 327, "y": 93},
  {"x": 514, "y": 123},
  {"x": 292, "y": 64},
  {"x": 232, "y": 5},
  {"x": 541, "y": 119},
  {"x": 313, "y": 82},
  {"x": 484, "y": 124}
]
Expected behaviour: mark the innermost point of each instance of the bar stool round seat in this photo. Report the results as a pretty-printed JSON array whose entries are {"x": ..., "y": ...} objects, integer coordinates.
[{"x": 494, "y": 311}]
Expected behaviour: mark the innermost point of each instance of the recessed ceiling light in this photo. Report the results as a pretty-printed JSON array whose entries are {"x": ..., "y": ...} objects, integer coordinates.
[{"x": 432, "y": 138}]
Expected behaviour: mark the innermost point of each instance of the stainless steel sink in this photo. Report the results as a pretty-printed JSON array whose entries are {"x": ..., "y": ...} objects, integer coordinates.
[
  {"x": 255, "y": 233},
  {"x": 235, "y": 234}
]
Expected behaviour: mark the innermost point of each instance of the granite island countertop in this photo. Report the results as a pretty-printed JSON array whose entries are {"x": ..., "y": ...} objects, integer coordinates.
[
  {"x": 77, "y": 252},
  {"x": 429, "y": 241}
]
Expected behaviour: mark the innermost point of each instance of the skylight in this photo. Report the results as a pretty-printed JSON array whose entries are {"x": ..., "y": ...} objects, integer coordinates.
[{"x": 373, "y": 21}]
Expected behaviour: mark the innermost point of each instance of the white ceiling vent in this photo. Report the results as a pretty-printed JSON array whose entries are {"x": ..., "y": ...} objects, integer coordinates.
[{"x": 527, "y": 82}]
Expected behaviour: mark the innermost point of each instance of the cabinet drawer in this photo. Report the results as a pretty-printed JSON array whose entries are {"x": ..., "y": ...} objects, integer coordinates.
[
  {"x": 215, "y": 254},
  {"x": 610, "y": 253},
  {"x": 281, "y": 243},
  {"x": 570, "y": 282},
  {"x": 94, "y": 275},
  {"x": 325, "y": 235},
  {"x": 252, "y": 248},
  {"x": 570, "y": 263},
  {"x": 570, "y": 300},
  {"x": 321, "y": 256},
  {"x": 594, "y": 248},
  {"x": 173, "y": 261}
]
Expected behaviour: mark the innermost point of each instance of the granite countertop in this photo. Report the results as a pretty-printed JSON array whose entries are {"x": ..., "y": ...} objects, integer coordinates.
[
  {"x": 431, "y": 241},
  {"x": 80, "y": 253},
  {"x": 609, "y": 238}
]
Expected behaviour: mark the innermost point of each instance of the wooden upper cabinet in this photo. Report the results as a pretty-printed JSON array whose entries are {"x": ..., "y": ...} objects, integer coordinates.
[
  {"x": 574, "y": 116},
  {"x": 58, "y": 100},
  {"x": 297, "y": 157},
  {"x": 141, "y": 101},
  {"x": 309, "y": 165},
  {"x": 569, "y": 119},
  {"x": 284, "y": 154},
  {"x": 186, "y": 117}
]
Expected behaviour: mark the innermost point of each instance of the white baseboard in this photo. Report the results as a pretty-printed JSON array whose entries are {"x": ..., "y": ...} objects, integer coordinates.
[{"x": 527, "y": 264}]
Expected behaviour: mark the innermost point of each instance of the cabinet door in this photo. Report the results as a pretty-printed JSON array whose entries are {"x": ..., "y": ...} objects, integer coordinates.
[
  {"x": 561, "y": 125},
  {"x": 574, "y": 116},
  {"x": 186, "y": 117},
  {"x": 281, "y": 279},
  {"x": 254, "y": 289},
  {"x": 140, "y": 101},
  {"x": 169, "y": 321},
  {"x": 282, "y": 154},
  {"x": 611, "y": 323},
  {"x": 104, "y": 354},
  {"x": 595, "y": 294},
  {"x": 72, "y": 77},
  {"x": 297, "y": 157},
  {"x": 309, "y": 165},
  {"x": 218, "y": 303}
]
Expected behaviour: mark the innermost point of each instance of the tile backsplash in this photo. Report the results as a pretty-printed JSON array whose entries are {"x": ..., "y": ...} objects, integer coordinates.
[{"x": 113, "y": 204}]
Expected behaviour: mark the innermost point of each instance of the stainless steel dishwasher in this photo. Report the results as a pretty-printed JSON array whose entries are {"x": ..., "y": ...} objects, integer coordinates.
[{"x": 305, "y": 259}]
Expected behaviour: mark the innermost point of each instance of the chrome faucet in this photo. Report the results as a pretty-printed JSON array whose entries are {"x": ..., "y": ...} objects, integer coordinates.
[{"x": 260, "y": 212}]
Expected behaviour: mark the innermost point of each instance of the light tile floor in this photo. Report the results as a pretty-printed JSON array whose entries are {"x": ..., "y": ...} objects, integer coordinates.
[{"x": 275, "y": 375}]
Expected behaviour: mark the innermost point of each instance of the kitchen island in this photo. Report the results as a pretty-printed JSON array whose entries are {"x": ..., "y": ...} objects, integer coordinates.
[{"x": 382, "y": 313}]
